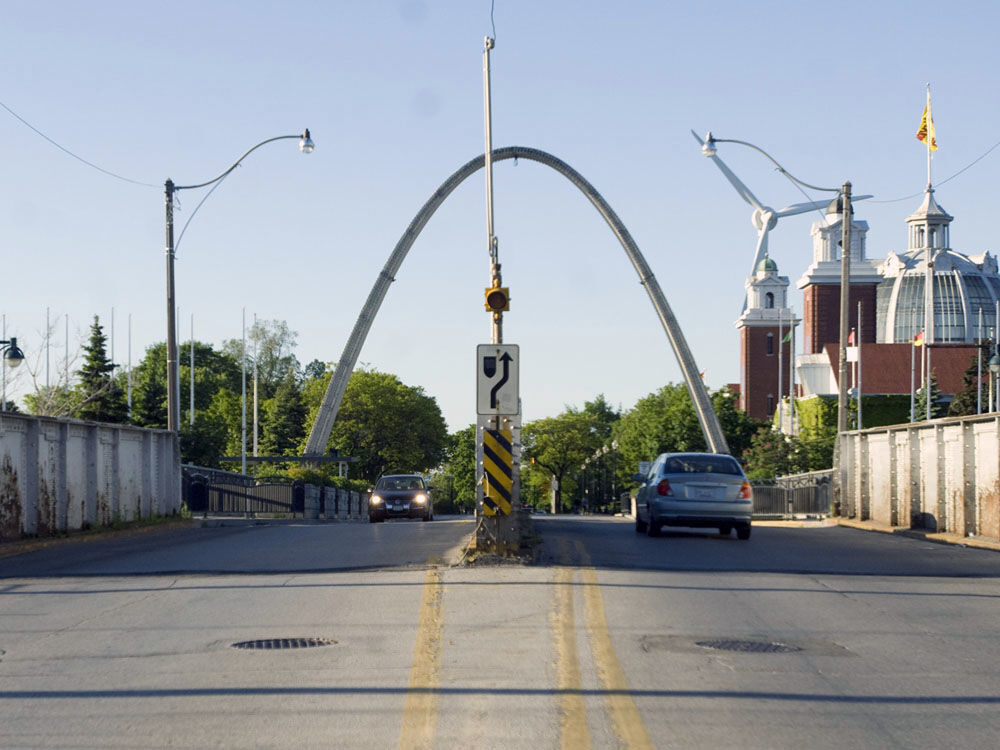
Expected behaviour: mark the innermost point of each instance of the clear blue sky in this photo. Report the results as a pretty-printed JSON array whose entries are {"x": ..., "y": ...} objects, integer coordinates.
[{"x": 392, "y": 92}]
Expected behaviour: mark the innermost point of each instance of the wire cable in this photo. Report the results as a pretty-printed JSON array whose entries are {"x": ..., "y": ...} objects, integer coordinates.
[
  {"x": 947, "y": 179},
  {"x": 186, "y": 223},
  {"x": 78, "y": 158},
  {"x": 492, "y": 22}
]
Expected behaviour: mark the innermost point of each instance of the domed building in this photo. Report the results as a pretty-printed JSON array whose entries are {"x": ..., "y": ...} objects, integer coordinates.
[
  {"x": 887, "y": 300},
  {"x": 963, "y": 287}
]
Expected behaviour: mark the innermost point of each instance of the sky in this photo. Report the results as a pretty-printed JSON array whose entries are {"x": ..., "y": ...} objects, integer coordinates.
[{"x": 392, "y": 92}]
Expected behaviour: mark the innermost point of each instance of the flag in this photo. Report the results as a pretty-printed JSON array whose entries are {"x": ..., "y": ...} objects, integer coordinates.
[
  {"x": 850, "y": 338},
  {"x": 918, "y": 340},
  {"x": 702, "y": 373},
  {"x": 926, "y": 131},
  {"x": 788, "y": 337}
]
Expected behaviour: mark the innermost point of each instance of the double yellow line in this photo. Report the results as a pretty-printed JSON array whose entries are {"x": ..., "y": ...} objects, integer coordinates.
[
  {"x": 625, "y": 717},
  {"x": 421, "y": 708}
]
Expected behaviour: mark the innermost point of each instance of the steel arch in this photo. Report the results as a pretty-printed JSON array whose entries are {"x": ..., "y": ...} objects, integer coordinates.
[{"x": 327, "y": 414}]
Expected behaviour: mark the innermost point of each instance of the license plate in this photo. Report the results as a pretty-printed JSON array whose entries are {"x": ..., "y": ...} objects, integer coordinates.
[
  {"x": 399, "y": 507},
  {"x": 705, "y": 493}
]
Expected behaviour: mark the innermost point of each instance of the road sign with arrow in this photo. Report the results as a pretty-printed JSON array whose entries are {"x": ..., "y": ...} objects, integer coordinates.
[{"x": 496, "y": 379}]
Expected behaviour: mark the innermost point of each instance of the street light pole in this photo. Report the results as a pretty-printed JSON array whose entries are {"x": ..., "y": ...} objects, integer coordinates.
[{"x": 306, "y": 146}]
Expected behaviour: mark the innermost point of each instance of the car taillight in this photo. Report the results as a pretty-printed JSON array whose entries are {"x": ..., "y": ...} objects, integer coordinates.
[
  {"x": 663, "y": 488},
  {"x": 746, "y": 491}
]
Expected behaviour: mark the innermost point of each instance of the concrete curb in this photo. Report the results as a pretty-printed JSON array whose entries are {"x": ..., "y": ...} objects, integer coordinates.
[{"x": 929, "y": 536}]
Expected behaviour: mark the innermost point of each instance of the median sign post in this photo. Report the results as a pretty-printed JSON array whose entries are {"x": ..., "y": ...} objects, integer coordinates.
[{"x": 496, "y": 380}]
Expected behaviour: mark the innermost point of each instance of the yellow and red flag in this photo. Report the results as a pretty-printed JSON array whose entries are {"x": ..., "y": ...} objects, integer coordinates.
[
  {"x": 926, "y": 131},
  {"x": 918, "y": 340}
]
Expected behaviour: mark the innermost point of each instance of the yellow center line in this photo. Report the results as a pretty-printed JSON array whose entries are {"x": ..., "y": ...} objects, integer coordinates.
[
  {"x": 421, "y": 708},
  {"x": 573, "y": 729},
  {"x": 625, "y": 716}
]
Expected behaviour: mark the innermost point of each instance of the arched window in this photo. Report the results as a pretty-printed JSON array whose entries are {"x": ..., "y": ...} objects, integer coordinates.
[
  {"x": 769, "y": 300},
  {"x": 770, "y": 344}
]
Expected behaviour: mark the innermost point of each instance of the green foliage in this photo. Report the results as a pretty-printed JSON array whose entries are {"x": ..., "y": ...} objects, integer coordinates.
[
  {"x": 460, "y": 465},
  {"x": 737, "y": 427},
  {"x": 559, "y": 445},
  {"x": 878, "y": 411},
  {"x": 97, "y": 396},
  {"x": 938, "y": 409},
  {"x": 771, "y": 454},
  {"x": 270, "y": 344},
  {"x": 387, "y": 426},
  {"x": 965, "y": 401},
  {"x": 203, "y": 442},
  {"x": 284, "y": 422}
]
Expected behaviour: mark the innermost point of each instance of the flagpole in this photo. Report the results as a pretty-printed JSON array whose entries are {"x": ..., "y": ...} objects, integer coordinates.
[
  {"x": 791, "y": 375},
  {"x": 979, "y": 365},
  {"x": 912, "y": 372},
  {"x": 860, "y": 423},
  {"x": 929, "y": 126},
  {"x": 781, "y": 346}
]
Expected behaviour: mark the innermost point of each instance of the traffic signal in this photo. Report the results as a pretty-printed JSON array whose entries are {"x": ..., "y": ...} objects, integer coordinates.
[{"x": 497, "y": 299}]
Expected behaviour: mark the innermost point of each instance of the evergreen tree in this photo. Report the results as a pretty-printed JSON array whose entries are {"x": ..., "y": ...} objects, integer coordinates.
[
  {"x": 284, "y": 426},
  {"x": 101, "y": 399},
  {"x": 964, "y": 403},
  {"x": 938, "y": 409}
]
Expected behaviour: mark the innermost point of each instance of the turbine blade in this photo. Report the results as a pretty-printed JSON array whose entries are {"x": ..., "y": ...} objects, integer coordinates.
[
  {"x": 801, "y": 208},
  {"x": 742, "y": 189}
]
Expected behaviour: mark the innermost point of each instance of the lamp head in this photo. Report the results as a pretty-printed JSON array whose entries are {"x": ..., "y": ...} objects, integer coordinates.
[
  {"x": 994, "y": 364},
  {"x": 13, "y": 356},
  {"x": 306, "y": 145},
  {"x": 708, "y": 147}
]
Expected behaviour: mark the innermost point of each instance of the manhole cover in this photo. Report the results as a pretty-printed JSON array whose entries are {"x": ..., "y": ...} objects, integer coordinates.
[
  {"x": 749, "y": 647},
  {"x": 282, "y": 643}
]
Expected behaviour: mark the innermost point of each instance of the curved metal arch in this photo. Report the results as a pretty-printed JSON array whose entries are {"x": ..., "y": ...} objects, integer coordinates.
[{"x": 320, "y": 433}]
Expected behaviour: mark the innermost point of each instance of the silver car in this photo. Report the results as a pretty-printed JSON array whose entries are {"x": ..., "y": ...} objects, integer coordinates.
[{"x": 694, "y": 489}]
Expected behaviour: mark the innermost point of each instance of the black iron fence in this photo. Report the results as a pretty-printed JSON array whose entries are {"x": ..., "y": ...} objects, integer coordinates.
[
  {"x": 215, "y": 491},
  {"x": 808, "y": 494}
]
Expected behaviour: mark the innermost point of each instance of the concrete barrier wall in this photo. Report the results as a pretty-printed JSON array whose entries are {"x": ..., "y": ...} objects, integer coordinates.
[
  {"x": 942, "y": 475},
  {"x": 60, "y": 475}
]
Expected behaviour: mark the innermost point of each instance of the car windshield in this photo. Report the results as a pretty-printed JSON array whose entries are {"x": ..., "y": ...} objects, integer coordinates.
[
  {"x": 399, "y": 483},
  {"x": 701, "y": 465}
]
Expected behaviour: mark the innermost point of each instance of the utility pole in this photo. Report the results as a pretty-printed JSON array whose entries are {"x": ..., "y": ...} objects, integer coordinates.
[{"x": 845, "y": 296}]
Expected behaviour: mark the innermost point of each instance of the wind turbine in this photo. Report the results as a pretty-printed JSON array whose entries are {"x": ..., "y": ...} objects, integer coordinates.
[{"x": 764, "y": 218}]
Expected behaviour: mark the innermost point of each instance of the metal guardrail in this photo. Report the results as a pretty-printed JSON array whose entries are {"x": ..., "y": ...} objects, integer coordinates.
[
  {"x": 809, "y": 494},
  {"x": 215, "y": 491}
]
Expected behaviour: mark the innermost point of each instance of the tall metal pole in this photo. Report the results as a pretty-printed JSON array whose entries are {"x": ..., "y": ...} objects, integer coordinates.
[
  {"x": 979, "y": 365},
  {"x": 845, "y": 282},
  {"x": 858, "y": 344},
  {"x": 173, "y": 407},
  {"x": 496, "y": 282},
  {"x": 191, "y": 389},
  {"x": 243, "y": 398}
]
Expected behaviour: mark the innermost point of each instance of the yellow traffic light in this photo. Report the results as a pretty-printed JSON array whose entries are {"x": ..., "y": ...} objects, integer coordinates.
[{"x": 497, "y": 299}]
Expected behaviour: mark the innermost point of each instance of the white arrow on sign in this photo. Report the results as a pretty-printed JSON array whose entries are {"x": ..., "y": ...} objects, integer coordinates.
[{"x": 497, "y": 379}]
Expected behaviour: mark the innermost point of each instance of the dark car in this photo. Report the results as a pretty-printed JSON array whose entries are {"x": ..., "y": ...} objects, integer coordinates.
[{"x": 400, "y": 496}]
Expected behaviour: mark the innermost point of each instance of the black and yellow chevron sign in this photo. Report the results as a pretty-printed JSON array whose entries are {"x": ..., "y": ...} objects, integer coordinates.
[{"x": 498, "y": 463}]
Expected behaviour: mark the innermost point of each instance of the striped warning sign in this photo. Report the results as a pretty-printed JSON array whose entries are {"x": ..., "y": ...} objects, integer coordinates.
[{"x": 498, "y": 461}]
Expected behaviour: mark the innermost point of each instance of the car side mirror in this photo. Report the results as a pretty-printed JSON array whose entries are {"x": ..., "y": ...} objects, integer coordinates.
[{"x": 640, "y": 478}]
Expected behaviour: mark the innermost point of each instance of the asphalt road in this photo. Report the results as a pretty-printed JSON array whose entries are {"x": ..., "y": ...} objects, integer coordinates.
[{"x": 800, "y": 637}]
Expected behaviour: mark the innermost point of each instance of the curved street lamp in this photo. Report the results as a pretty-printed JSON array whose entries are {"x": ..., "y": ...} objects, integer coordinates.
[
  {"x": 306, "y": 146},
  {"x": 844, "y": 199}
]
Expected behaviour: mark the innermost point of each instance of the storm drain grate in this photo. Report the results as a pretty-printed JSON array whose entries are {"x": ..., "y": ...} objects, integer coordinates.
[
  {"x": 284, "y": 643},
  {"x": 749, "y": 647}
]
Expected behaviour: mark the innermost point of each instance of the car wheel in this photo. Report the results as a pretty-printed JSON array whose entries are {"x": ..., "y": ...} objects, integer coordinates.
[
  {"x": 743, "y": 532},
  {"x": 725, "y": 530},
  {"x": 428, "y": 516},
  {"x": 640, "y": 525},
  {"x": 652, "y": 527}
]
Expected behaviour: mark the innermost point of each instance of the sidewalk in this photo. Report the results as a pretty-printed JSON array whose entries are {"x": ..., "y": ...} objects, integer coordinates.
[{"x": 930, "y": 536}]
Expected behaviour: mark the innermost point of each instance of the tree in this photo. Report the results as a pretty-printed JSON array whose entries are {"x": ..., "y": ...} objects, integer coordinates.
[
  {"x": 938, "y": 409},
  {"x": 386, "y": 425},
  {"x": 284, "y": 425},
  {"x": 771, "y": 454},
  {"x": 313, "y": 370},
  {"x": 99, "y": 398},
  {"x": 270, "y": 343},
  {"x": 460, "y": 464},
  {"x": 965, "y": 401},
  {"x": 561, "y": 444}
]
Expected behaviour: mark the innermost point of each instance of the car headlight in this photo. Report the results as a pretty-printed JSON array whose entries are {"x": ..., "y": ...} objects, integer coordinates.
[
  {"x": 420, "y": 499},
  {"x": 376, "y": 500}
]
